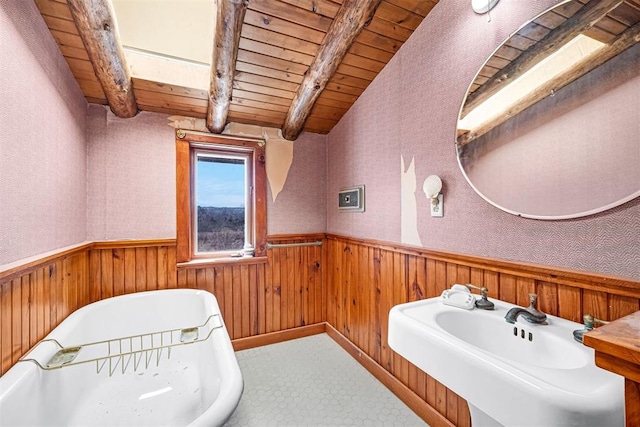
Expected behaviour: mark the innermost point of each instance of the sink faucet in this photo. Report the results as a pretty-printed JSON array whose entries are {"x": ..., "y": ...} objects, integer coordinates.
[
  {"x": 483, "y": 303},
  {"x": 530, "y": 314},
  {"x": 589, "y": 321}
]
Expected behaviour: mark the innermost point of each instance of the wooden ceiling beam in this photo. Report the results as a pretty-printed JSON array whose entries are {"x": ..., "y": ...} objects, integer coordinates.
[
  {"x": 97, "y": 28},
  {"x": 582, "y": 20},
  {"x": 229, "y": 18},
  {"x": 352, "y": 17},
  {"x": 621, "y": 43}
]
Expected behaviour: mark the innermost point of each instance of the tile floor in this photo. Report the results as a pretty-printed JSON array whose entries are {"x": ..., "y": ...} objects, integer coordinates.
[{"x": 312, "y": 381}]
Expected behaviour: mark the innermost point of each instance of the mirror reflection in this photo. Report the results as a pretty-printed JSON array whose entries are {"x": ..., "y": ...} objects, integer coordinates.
[{"x": 550, "y": 127}]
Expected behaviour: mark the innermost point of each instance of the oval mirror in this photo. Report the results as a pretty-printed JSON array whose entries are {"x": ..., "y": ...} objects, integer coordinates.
[{"x": 550, "y": 126}]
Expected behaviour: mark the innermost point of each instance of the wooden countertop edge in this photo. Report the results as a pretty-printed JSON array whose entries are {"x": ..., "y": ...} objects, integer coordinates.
[{"x": 620, "y": 338}]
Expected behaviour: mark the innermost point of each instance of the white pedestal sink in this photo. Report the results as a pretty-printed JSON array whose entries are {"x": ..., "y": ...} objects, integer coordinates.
[{"x": 518, "y": 374}]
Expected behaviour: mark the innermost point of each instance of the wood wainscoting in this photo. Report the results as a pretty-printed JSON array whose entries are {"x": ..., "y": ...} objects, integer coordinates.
[
  {"x": 255, "y": 298},
  {"x": 351, "y": 284},
  {"x": 366, "y": 278},
  {"x": 36, "y": 297}
]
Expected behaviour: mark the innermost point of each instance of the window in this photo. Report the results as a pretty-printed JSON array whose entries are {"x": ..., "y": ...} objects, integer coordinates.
[{"x": 221, "y": 197}]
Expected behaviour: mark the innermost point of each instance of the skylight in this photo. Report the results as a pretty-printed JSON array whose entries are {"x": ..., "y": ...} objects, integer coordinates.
[
  {"x": 168, "y": 41},
  {"x": 554, "y": 65}
]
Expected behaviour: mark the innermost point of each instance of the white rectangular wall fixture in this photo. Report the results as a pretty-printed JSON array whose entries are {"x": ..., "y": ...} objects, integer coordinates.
[{"x": 351, "y": 199}]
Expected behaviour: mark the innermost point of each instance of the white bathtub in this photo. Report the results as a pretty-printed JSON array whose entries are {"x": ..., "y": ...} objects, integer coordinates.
[{"x": 199, "y": 384}]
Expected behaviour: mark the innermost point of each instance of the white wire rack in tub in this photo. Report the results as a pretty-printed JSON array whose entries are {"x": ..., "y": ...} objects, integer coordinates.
[{"x": 118, "y": 354}]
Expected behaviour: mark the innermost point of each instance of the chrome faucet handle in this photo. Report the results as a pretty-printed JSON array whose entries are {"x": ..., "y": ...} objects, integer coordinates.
[
  {"x": 589, "y": 321},
  {"x": 483, "y": 303},
  {"x": 533, "y": 306}
]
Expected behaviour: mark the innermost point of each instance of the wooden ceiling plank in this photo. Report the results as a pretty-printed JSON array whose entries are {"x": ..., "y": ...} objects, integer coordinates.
[
  {"x": 262, "y": 89},
  {"x": 73, "y": 52},
  {"x": 269, "y": 76},
  {"x": 91, "y": 89},
  {"x": 258, "y": 104},
  {"x": 68, "y": 39},
  {"x": 160, "y": 87},
  {"x": 322, "y": 122},
  {"x": 96, "y": 25},
  {"x": 252, "y": 119},
  {"x": 266, "y": 81},
  {"x": 626, "y": 14},
  {"x": 276, "y": 115},
  {"x": 93, "y": 100},
  {"x": 229, "y": 19},
  {"x": 534, "y": 31},
  {"x": 521, "y": 43},
  {"x": 238, "y": 93},
  {"x": 389, "y": 29},
  {"x": 497, "y": 62},
  {"x": 611, "y": 26},
  {"x": 568, "y": 9},
  {"x": 345, "y": 80},
  {"x": 149, "y": 97},
  {"x": 579, "y": 22},
  {"x": 59, "y": 24},
  {"x": 370, "y": 52},
  {"x": 55, "y": 9},
  {"x": 271, "y": 23},
  {"x": 198, "y": 114},
  {"x": 80, "y": 65},
  {"x": 369, "y": 38},
  {"x": 271, "y": 62},
  {"x": 337, "y": 96},
  {"x": 292, "y": 14},
  {"x": 332, "y": 102},
  {"x": 550, "y": 20},
  {"x": 160, "y": 101},
  {"x": 327, "y": 113},
  {"x": 364, "y": 63},
  {"x": 507, "y": 52},
  {"x": 600, "y": 35},
  {"x": 349, "y": 22},
  {"x": 275, "y": 51},
  {"x": 419, "y": 7},
  {"x": 325, "y": 8},
  {"x": 397, "y": 15},
  {"x": 336, "y": 87},
  {"x": 356, "y": 72},
  {"x": 277, "y": 39}
]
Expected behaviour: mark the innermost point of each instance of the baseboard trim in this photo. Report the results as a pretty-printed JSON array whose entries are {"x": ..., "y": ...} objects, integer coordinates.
[
  {"x": 412, "y": 400},
  {"x": 280, "y": 336}
]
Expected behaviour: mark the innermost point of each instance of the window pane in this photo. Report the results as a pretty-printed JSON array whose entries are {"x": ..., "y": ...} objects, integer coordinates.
[{"x": 220, "y": 201}]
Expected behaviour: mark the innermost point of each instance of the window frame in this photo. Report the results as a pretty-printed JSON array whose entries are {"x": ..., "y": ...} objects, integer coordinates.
[{"x": 187, "y": 144}]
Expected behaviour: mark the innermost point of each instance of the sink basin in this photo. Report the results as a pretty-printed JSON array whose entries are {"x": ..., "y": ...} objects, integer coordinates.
[{"x": 519, "y": 374}]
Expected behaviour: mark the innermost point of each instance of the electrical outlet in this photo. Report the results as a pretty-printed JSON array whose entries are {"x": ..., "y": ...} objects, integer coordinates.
[{"x": 437, "y": 210}]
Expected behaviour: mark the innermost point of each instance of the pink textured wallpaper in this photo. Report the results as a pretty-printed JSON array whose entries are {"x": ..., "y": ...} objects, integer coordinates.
[
  {"x": 132, "y": 179},
  {"x": 42, "y": 142},
  {"x": 131, "y": 186},
  {"x": 411, "y": 110},
  {"x": 301, "y": 206}
]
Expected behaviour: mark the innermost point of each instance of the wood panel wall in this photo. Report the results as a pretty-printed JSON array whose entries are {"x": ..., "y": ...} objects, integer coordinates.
[
  {"x": 366, "y": 278},
  {"x": 282, "y": 293},
  {"x": 349, "y": 283},
  {"x": 36, "y": 299}
]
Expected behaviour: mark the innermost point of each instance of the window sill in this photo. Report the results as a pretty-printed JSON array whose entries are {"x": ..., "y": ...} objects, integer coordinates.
[{"x": 212, "y": 262}]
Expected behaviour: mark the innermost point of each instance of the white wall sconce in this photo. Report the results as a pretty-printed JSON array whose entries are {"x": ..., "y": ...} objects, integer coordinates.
[
  {"x": 432, "y": 186},
  {"x": 483, "y": 6}
]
